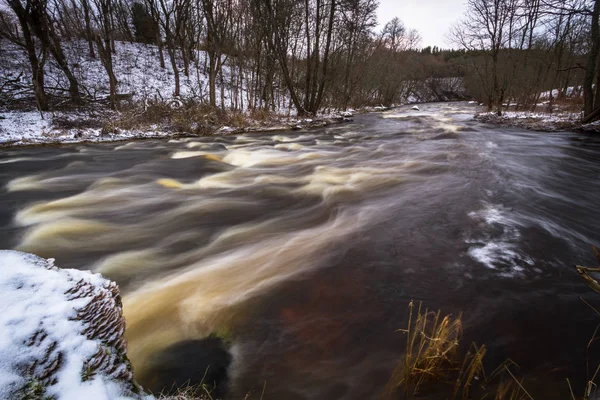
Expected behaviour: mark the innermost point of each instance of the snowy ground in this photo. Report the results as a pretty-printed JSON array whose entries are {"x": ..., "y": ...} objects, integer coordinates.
[
  {"x": 139, "y": 73},
  {"x": 571, "y": 91},
  {"x": 566, "y": 114},
  {"x": 136, "y": 67},
  {"x": 559, "y": 120},
  {"x": 22, "y": 128},
  {"x": 535, "y": 121},
  {"x": 28, "y": 128}
]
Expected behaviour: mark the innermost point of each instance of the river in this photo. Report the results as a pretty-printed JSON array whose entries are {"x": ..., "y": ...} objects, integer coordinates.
[{"x": 305, "y": 248}]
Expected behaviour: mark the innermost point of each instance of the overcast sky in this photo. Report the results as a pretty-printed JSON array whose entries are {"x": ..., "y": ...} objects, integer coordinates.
[{"x": 432, "y": 18}]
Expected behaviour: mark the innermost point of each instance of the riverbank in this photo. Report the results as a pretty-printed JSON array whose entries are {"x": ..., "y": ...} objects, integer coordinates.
[
  {"x": 27, "y": 128},
  {"x": 540, "y": 121}
]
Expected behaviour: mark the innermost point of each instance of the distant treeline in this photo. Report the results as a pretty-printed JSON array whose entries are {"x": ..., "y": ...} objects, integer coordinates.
[{"x": 321, "y": 53}]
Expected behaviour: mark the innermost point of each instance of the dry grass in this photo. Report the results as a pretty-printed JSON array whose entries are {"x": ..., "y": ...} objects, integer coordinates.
[
  {"x": 431, "y": 349},
  {"x": 591, "y": 387},
  {"x": 510, "y": 390},
  {"x": 188, "y": 118},
  {"x": 569, "y": 104},
  {"x": 432, "y": 356},
  {"x": 198, "y": 392},
  {"x": 188, "y": 393},
  {"x": 565, "y": 104},
  {"x": 261, "y": 115},
  {"x": 470, "y": 371}
]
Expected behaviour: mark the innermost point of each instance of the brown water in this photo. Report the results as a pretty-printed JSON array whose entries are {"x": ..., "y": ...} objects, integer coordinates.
[{"x": 305, "y": 248}]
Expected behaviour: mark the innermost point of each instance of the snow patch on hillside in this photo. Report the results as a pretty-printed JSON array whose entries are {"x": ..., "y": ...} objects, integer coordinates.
[
  {"x": 571, "y": 91},
  {"x": 138, "y": 71}
]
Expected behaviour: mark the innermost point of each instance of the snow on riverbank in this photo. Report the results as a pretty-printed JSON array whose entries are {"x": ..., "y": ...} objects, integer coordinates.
[
  {"x": 20, "y": 128},
  {"x": 61, "y": 333},
  {"x": 29, "y": 127},
  {"x": 537, "y": 121}
]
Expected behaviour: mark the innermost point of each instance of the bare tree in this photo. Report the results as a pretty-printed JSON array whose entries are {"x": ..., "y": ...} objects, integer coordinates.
[
  {"x": 218, "y": 15},
  {"x": 35, "y": 21},
  {"x": 171, "y": 15},
  {"x": 102, "y": 16},
  {"x": 23, "y": 13},
  {"x": 590, "y": 70},
  {"x": 358, "y": 19},
  {"x": 318, "y": 18},
  {"x": 486, "y": 28}
]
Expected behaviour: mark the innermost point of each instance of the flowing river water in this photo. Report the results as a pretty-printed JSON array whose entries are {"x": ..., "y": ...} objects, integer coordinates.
[{"x": 305, "y": 248}]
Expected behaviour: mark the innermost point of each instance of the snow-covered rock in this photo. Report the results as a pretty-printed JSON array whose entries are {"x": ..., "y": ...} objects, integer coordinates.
[
  {"x": 416, "y": 108},
  {"x": 61, "y": 333}
]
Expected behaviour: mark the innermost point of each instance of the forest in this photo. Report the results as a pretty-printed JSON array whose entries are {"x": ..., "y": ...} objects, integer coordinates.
[{"x": 302, "y": 56}]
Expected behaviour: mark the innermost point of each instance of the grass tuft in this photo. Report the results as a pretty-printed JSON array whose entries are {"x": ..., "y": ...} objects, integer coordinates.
[
  {"x": 431, "y": 349},
  {"x": 189, "y": 392},
  {"x": 432, "y": 356},
  {"x": 471, "y": 370}
]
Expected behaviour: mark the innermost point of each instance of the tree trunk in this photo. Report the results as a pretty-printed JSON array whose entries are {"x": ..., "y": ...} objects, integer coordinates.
[
  {"x": 59, "y": 56},
  {"x": 221, "y": 84},
  {"x": 37, "y": 65},
  {"x": 172, "y": 56},
  {"x": 37, "y": 68},
  {"x": 161, "y": 56},
  {"x": 309, "y": 55},
  {"x": 597, "y": 94},
  {"x": 316, "y": 61},
  {"x": 276, "y": 46},
  {"x": 590, "y": 71},
  {"x": 104, "y": 50},
  {"x": 495, "y": 85},
  {"x": 186, "y": 61},
  {"x": 212, "y": 79},
  {"x": 325, "y": 58},
  {"x": 268, "y": 86},
  {"x": 88, "y": 27},
  {"x": 104, "y": 43}
]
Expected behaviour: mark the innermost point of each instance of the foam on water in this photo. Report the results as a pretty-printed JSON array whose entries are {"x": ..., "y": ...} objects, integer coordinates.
[
  {"x": 63, "y": 233},
  {"x": 499, "y": 251},
  {"x": 289, "y": 146},
  {"x": 24, "y": 183}
]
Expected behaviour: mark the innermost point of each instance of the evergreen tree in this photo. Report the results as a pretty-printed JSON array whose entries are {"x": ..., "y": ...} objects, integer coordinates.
[{"x": 145, "y": 27}]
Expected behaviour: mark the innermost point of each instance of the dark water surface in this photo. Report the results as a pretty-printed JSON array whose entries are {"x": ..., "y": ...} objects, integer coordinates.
[{"x": 306, "y": 248}]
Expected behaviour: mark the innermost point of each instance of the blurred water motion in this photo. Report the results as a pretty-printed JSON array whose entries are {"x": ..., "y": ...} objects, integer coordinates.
[{"x": 305, "y": 248}]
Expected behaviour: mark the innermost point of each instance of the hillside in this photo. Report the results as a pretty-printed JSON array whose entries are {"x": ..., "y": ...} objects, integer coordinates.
[{"x": 149, "y": 108}]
